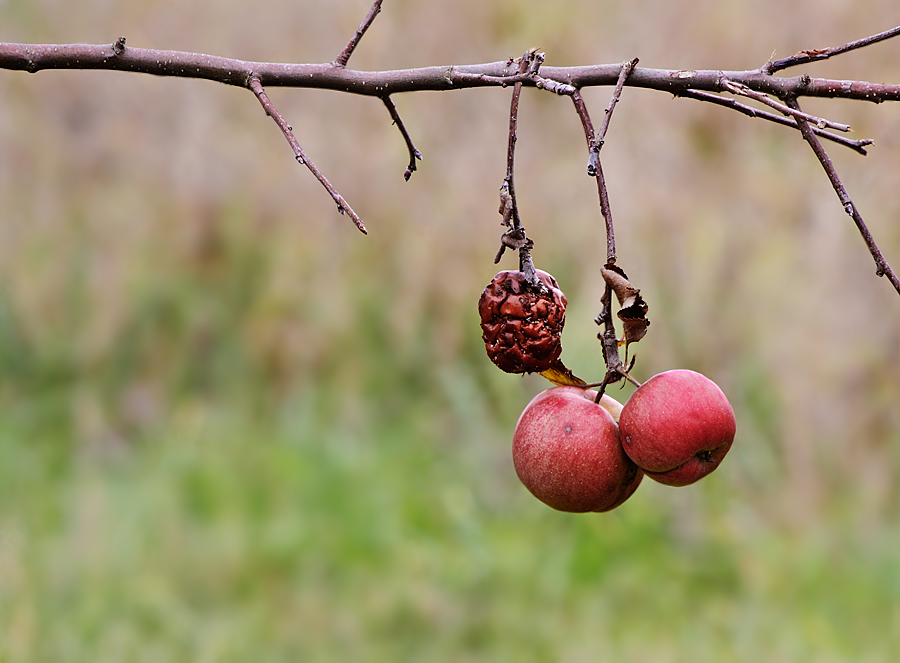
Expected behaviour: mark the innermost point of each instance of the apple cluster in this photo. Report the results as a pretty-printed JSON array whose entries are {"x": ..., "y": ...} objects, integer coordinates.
[{"x": 578, "y": 455}]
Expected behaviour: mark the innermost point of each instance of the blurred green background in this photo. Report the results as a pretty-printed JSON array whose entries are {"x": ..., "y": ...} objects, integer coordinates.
[{"x": 234, "y": 429}]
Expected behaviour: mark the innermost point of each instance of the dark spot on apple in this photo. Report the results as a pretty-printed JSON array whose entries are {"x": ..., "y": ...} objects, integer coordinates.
[
  {"x": 705, "y": 456},
  {"x": 568, "y": 429}
]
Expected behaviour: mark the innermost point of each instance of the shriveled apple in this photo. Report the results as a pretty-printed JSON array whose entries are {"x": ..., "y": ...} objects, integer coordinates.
[
  {"x": 677, "y": 427},
  {"x": 566, "y": 451}
]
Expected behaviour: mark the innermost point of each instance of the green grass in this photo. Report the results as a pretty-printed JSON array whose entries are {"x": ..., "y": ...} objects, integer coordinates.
[
  {"x": 183, "y": 498},
  {"x": 189, "y": 495},
  {"x": 368, "y": 531}
]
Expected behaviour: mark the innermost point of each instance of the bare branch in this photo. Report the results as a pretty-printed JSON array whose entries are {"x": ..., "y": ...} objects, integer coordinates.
[
  {"x": 539, "y": 82},
  {"x": 413, "y": 152},
  {"x": 597, "y": 142},
  {"x": 344, "y": 57},
  {"x": 881, "y": 266},
  {"x": 615, "y": 369},
  {"x": 605, "y": 210},
  {"x": 37, "y": 57},
  {"x": 511, "y": 144},
  {"x": 815, "y": 54},
  {"x": 515, "y": 236},
  {"x": 300, "y": 155},
  {"x": 738, "y": 88},
  {"x": 728, "y": 102}
]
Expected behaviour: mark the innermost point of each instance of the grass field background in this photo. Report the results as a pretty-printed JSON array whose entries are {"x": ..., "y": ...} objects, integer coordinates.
[{"x": 233, "y": 429}]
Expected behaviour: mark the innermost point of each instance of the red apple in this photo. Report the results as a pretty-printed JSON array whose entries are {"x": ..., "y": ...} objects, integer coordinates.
[
  {"x": 566, "y": 451},
  {"x": 677, "y": 427}
]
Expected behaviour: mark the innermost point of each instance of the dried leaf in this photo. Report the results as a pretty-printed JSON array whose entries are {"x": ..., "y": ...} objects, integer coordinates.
[
  {"x": 632, "y": 307},
  {"x": 506, "y": 205},
  {"x": 561, "y": 376}
]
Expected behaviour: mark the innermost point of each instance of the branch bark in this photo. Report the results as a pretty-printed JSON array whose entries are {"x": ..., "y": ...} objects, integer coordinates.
[
  {"x": 344, "y": 57},
  {"x": 116, "y": 57},
  {"x": 882, "y": 268},
  {"x": 300, "y": 155}
]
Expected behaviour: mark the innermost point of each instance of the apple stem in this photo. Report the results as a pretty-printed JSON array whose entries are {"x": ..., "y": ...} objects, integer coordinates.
[
  {"x": 514, "y": 237},
  {"x": 615, "y": 369}
]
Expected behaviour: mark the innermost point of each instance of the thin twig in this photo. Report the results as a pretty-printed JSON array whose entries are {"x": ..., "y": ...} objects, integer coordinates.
[
  {"x": 413, "y": 152},
  {"x": 605, "y": 209},
  {"x": 882, "y": 268},
  {"x": 597, "y": 142},
  {"x": 344, "y": 57},
  {"x": 729, "y": 102},
  {"x": 540, "y": 82},
  {"x": 615, "y": 369},
  {"x": 515, "y": 236},
  {"x": 300, "y": 155},
  {"x": 821, "y": 123},
  {"x": 511, "y": 144},
  {"x": 815, "y": 54}
]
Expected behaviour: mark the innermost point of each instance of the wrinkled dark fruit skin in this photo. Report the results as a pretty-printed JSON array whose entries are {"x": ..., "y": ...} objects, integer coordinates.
[{"x": 522, "y": 328}]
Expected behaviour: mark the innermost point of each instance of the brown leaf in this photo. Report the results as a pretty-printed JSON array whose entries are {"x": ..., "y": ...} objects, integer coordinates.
[{"x": 632, "y": 307}]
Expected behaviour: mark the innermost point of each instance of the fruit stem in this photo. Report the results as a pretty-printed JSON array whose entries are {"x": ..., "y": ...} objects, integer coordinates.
[
  {"x": 515, "y": 236},
  {"x": 615, "y": 369}
]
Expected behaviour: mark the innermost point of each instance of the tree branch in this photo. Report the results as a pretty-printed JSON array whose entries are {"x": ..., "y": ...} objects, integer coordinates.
[
  {"x": 615, "y": 368},
  {"x": 856, "y": 145},
  {"x": 515, "y": 236},
  {"x": 344, "y": 57},
  {"x": 597, "y": 141},
  {"x": 815, "y": 54},
  {"x": 821, "y": 123},
  {"x": 882, "y": 268},
  {"x": 300, "y": 155},
  {"x": 605, "y": 210},
  {"x": 413, "y": 152},
  {"x": 38, "y": 57}
]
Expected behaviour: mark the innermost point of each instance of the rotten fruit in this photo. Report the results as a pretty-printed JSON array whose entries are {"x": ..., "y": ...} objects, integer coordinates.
[{"x": 522, "y": 323}]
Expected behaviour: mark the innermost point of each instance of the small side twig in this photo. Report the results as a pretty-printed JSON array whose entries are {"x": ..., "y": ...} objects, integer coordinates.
[
  {"x": 515, "y": 236},
  {"x": 344, "y": 57},
  {"x": 605, "y": 209},
  {"x": 882, "y": 268},
  {"x": 597, "y": 142},
  {"x": 615, "y": 369},
  {"x": 413, "y": 152},
  {"x": 729, "y": 102},
  {"x": 539, "y": 82},
  {"x": 509, "y": 180},
  {"x": 343, "y": 207},
  {"x": 815, "y": 54},
  {"x": 821, "y": 123}
]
